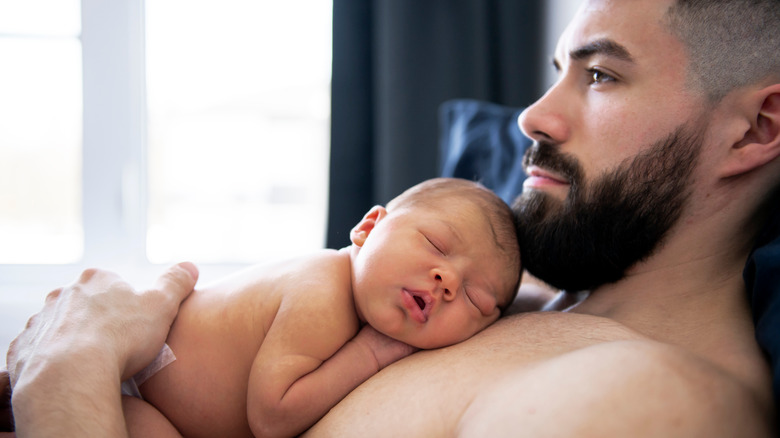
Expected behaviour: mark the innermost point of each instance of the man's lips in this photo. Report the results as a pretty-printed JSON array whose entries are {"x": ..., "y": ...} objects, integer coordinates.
[
  {"x": 417, "y": 303},
  {"x": 538, "y": 177}
]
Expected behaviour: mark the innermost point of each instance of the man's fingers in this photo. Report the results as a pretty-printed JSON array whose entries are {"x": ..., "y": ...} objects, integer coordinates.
[
  {"x": 53, "y": 295},
  {"x": 179, "y": 279}
]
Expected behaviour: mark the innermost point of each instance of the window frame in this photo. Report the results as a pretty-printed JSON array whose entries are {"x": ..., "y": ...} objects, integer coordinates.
[{"x": 114, "y": 180}]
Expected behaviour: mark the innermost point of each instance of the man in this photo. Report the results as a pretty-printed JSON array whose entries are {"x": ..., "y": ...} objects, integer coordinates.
[{"x": 661, "y": 138}]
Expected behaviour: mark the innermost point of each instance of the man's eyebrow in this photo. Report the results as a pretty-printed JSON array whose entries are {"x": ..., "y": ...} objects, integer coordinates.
[{"x": 601, "y": 47}]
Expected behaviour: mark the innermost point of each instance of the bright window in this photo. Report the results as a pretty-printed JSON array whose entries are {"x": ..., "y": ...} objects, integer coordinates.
[
  {"x": 40, "y": 132},
  {"x": 137, "y": 134},
  {"x": 238, "y": 120}
]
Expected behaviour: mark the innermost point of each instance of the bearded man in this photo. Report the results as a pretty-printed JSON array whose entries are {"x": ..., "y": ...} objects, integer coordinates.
[{"x": 654, "y": 168}]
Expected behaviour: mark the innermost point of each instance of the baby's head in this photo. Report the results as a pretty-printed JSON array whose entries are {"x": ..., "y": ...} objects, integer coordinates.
[{"x": 437, "y": 265}]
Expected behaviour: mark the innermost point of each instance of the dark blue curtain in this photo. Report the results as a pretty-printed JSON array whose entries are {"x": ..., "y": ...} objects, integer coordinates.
[{"x": 394, "y": 63}]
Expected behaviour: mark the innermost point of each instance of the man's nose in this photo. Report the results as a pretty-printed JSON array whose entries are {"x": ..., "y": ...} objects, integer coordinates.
[{"x": 548, "y": 119}]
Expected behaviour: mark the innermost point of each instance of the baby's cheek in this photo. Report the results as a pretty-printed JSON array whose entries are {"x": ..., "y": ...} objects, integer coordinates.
[
  {"x": 490, "y": 320},
  {"x": 483, "y": 323}
]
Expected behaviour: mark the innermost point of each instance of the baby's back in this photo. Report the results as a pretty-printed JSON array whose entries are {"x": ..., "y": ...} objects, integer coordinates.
[{"x": 215, "y": 338}]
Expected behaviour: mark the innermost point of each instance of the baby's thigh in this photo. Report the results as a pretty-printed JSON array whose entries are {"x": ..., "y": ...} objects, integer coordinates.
[{"x": 144, "y": 420}]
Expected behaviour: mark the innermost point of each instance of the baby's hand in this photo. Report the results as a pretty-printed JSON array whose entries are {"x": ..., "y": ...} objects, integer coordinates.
[{"x": 386, "y": 349}]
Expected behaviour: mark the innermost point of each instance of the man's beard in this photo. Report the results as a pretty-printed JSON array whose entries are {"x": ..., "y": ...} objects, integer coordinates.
[{"x": 601, "y": 229}]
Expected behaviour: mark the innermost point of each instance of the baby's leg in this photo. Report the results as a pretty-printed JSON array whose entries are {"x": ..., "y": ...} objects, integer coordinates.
[
  {"x": 6, "y": 413},
  {"x": 144, "y": 420}
]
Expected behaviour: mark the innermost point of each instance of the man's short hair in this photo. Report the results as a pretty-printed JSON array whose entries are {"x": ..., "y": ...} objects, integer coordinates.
[{"x": 731, "y": 43}]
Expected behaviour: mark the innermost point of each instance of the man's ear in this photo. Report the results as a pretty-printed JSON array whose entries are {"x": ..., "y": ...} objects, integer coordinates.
[
  {"x": 761, "y": 142},
  {"x": 360, "y": 232}
]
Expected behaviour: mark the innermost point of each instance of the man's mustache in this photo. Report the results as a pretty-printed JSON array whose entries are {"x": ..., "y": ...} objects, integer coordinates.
[{"x": 547, "y": 156}]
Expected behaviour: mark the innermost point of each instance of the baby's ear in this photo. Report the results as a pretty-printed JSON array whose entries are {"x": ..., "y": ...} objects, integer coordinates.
[
  {"x": 761, "y": 142},
  {"x": 361, "y": 231}
]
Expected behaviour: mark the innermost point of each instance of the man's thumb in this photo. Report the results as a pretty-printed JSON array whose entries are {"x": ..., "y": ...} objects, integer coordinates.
[{"x": 179, "y": 279}]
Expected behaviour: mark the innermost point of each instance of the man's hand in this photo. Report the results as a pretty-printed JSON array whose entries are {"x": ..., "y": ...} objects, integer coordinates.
[
  {"x": 101, "y": 314},
  {"x": 386, "y": 349},
  {"x": 71, "y": 357}
]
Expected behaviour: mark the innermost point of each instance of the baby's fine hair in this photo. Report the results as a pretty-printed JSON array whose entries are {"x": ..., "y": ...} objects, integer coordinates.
[{"x": 439, "y": 193}]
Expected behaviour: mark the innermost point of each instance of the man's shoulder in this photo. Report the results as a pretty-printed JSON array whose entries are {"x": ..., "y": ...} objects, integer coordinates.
[
  {"x": 551, "y": 374},
  {"x": 623, "y": 387}
]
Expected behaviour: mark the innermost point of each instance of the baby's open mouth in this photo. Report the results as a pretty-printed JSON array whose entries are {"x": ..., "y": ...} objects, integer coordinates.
[{"x": 420, "y": 302}]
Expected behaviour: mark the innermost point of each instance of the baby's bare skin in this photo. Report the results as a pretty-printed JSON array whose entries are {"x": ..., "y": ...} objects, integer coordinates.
[
  {"x": 268, "y": 352},
  {"x": 216, "y": 338}
]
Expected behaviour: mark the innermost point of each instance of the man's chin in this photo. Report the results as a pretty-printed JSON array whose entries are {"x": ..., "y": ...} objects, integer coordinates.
[{"x": 538, "y": 204}]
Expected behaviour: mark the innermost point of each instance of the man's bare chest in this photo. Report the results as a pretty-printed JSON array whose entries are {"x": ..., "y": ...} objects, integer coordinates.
[{"x": 429, "y": 391}]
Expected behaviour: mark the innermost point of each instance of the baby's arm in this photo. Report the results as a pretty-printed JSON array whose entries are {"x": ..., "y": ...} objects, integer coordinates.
[
  {"x": 385, "y": 349},
  {"x": 302, "y": 370}
]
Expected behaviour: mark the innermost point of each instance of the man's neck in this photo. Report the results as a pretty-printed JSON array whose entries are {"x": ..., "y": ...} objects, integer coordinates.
[
  {"x": 694, "y": 277},
  {"x": 662, "y": 301},
  {"x": 696, "y": 302}
]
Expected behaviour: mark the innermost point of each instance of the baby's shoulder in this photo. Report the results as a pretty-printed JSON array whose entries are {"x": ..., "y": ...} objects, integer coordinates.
[
  {"x": 319, "y": 277},
  {"x": 323, "y": 266},
  {"x": 318, "y": 286}
]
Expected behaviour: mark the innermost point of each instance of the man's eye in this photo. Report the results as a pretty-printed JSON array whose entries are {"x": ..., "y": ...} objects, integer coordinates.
[{"x": 597, "y": 76}]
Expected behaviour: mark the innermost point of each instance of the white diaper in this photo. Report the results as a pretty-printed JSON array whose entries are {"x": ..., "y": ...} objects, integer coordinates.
[{"x": 163, "y": 359}]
